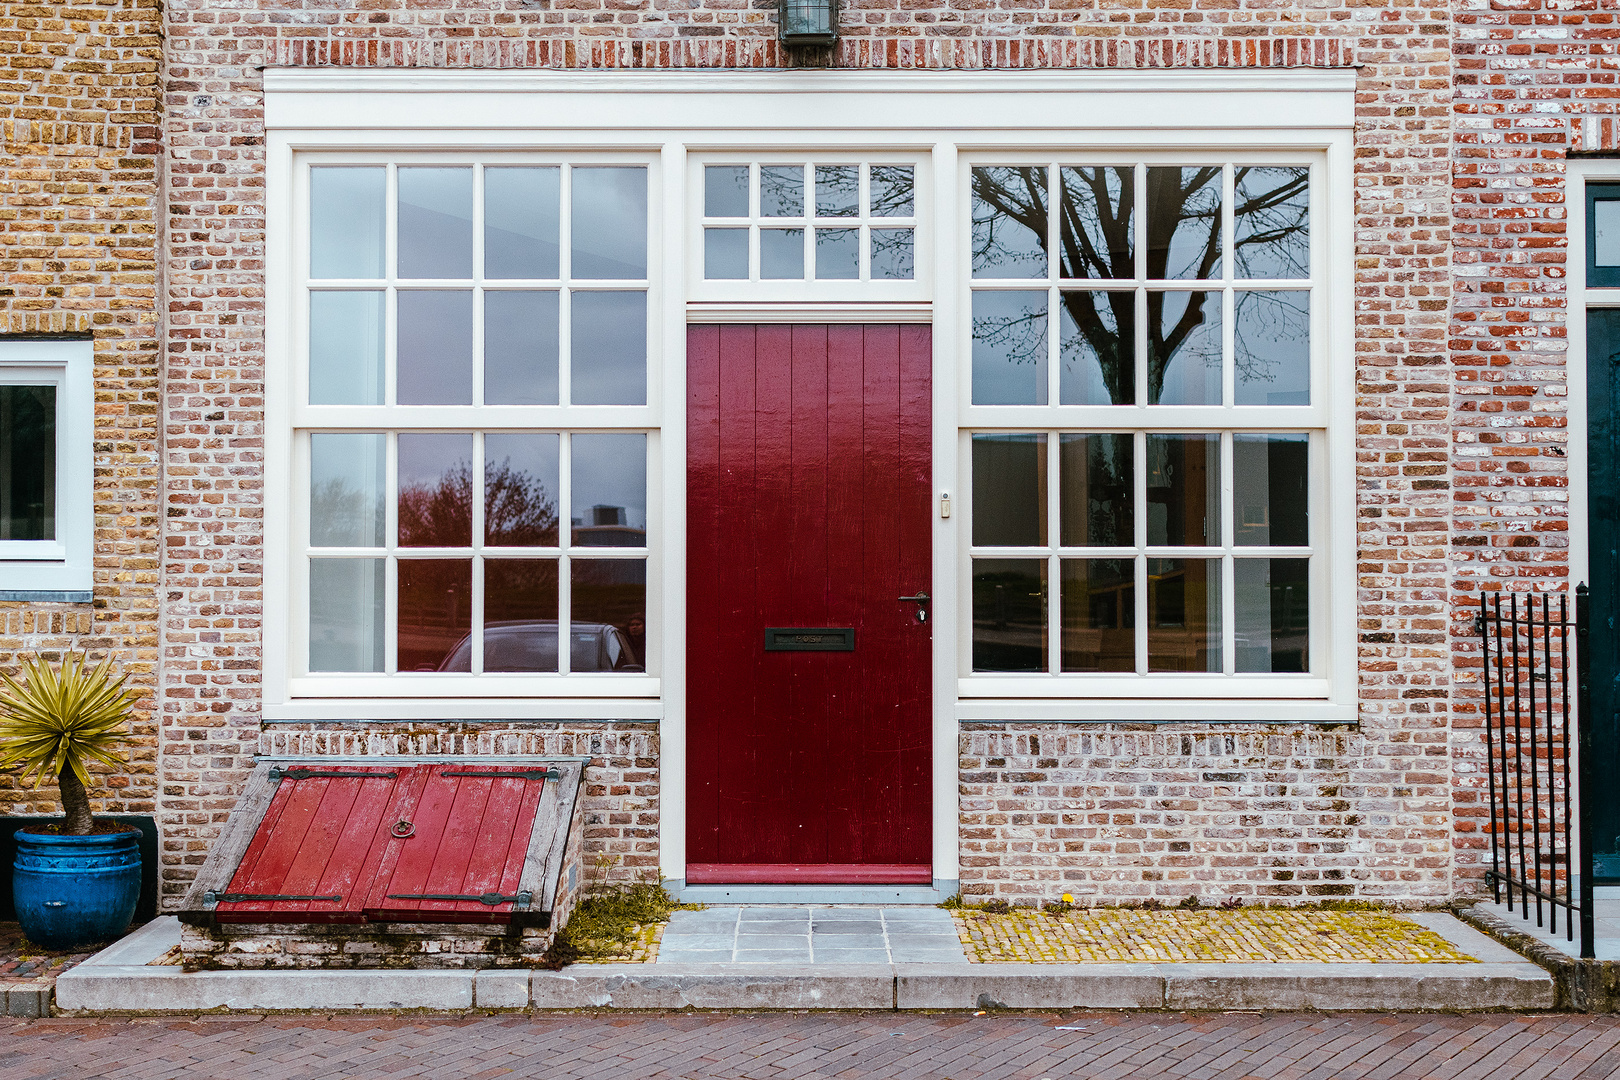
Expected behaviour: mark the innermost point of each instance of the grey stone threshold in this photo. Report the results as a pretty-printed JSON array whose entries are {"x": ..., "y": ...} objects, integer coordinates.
[{"x": 119, "y": 979}]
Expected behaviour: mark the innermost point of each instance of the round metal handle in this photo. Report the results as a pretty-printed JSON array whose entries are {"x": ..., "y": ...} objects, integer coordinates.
[{"x": 402, "y": 829}]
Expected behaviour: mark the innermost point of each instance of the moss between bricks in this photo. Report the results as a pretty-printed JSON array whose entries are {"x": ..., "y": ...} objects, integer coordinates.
[{"x": 616, "y": 924}]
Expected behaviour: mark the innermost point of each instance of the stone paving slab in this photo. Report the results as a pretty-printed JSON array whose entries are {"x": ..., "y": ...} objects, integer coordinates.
[{"x": 810, "y": 935}]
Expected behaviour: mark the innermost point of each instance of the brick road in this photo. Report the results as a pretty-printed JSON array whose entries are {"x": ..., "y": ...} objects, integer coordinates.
[{"x": 1241, "y": 1046}]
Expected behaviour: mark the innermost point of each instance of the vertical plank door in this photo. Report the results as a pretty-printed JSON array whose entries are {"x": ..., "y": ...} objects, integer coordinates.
[{"x": 808, "y": 507}]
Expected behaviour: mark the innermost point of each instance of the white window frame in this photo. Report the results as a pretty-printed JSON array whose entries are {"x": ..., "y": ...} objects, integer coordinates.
[{"x": 58, "y": 570}]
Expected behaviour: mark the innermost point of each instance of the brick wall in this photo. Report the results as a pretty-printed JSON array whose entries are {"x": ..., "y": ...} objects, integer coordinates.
[{"x": 79, "y": 154}]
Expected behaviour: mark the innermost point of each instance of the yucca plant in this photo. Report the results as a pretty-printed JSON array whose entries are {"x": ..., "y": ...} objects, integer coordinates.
[{"x": 58, "y": 720}]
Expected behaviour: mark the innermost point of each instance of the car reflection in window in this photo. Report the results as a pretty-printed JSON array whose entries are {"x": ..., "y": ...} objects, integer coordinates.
[{"x": 532, "y": 646}]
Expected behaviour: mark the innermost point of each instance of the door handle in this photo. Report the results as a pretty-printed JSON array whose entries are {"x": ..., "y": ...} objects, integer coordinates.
[{"x": 920, "y": 598}]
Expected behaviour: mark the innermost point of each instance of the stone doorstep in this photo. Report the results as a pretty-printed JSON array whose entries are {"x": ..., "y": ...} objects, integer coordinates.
[{"x": 118, "y": 980}]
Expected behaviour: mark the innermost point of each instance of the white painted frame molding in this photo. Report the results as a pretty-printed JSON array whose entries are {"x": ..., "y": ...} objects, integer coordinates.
[{"x": 58, "y": 570}]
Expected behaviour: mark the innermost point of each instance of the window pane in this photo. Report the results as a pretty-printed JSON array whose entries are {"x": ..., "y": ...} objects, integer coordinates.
[
  {"x": 838, "y": 254},
  {"x": 608, "y": 355},
  {"x": 781, "y": 191},
  {"x": 893, "y": 258},
  {"x": 725, "y": 254},
  {"x": 520, "y": 348},
  {"x": 346, "y": 348},
  {"x": 1184, "y": 615},
  {"x": 609, "y": 605},
  {"x": 1273, "y": 614},
  {"x": 1009, "y": 222},
  {"x": 1009, "y": 615},
  {"x": 1606, "y": 232},
  {"x": 781, "y": 254},
  {"x": 522, "y": 208},
  {"x": 1099, "y": 348},
  {"x": 1009, "y": 348},
  {"x": 346, "y": 485},
  {"x": 1184, "y": 222},
  {"x": 435, "y": 490},
  {"x": 346, "y": 599},
  {"x": 609, "y": 223},
  {"x": 27, "y": 463},
  {"x": 838, "y": 190},
  {"x": 609, "y": 490},
  {"x": 725, "y": 191},
  {"x": 1098, "y": 226},
  {"x": 435, "y": 612},
  {"x": 1097, "y": 490},
  {"x": 435, "y": 223},
  {"x": 520, "y": 615},
  {"x": 1184, "y": 490},
  {"x": 520, "y": 491},
  {"x": 434, "y": 347},
  {"x": 346, "y": 222},
  {"x": 1009, "y": 490},
  {"x": 1272, "y": 338},
  {"x": 1099, "y": 615},
  {"x": 1269, "y": 490},
  {"x": 1271, "y": 222},
  {"x": 891, "y": 191},
  {"x": 1184, "y": 348}
]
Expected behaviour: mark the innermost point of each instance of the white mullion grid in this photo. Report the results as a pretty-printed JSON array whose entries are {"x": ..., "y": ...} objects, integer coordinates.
[
  {"x": 1139, "y": 486},
  {"x": 807, "y": 209},
  {"x": 477, "y": 628},
  {"x": 390, "y": 552},
  {"x": 1226, "y": 529},
  {"x": 565, "y": 543},
  {"x": 390, "y": 284},
  {"x": 1054, "y": 325},
  {"x": 565, "y": 292},
  {"x": 863, "y": 211},
  {"x": 755, "y": 204},
  {"x": 1054, "y": 566},
  {"x": 478, "y": 289}
]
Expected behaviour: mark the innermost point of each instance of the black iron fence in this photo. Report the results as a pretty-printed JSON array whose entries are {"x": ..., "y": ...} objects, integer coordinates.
[{"x": 1537, "y": 740}]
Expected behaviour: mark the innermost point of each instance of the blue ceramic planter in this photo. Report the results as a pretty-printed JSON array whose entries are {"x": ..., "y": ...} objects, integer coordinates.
[{"x": 74, "y": 890}]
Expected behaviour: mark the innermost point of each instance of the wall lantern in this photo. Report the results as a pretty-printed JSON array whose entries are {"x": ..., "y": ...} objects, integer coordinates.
[{"x": 809, "y": 22}]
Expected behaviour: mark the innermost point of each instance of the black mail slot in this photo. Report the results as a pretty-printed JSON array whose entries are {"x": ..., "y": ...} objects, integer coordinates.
[{"x": 809, "y": 639}]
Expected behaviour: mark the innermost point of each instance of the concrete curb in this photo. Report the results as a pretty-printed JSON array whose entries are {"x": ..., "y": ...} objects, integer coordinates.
[
  {"x": 29, "y": 1000},
  {"x": 120, "y": 980},
  {"x": 1582, "y": 985}
]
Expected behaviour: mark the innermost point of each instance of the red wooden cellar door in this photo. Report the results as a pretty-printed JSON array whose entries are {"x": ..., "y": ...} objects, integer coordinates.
[{"x": 808, "y": 712}]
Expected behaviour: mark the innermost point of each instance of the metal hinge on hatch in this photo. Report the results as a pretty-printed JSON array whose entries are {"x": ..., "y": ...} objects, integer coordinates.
[
  {"x": 212, "y": 897},
  {"x": 518, "y": 774},
  {"x": 491, "y": 899},
  {"x": 278, "y": 774}
]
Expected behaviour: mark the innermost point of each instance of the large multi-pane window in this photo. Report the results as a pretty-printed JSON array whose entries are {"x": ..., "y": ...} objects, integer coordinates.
[
  {"x": 1144, "y": 428},
  {"x": 475, "y": 482}
]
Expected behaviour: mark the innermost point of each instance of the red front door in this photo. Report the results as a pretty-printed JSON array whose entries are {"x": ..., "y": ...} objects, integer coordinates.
[{"x": 808, "y": 510}]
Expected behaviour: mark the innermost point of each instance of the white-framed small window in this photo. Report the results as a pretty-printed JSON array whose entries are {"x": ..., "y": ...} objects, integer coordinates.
[{"x": 46, "y": 484}]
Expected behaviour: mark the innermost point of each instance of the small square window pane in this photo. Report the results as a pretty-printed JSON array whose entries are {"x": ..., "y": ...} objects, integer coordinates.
[
  {"x": 1009, "y": 222},
  {"x": 725, "y": 254},
  {"x": 1270, "y": 497},
  {"x": 346, "y": 222},
  {"x": 1184, "y": 348},
  {"x": 522, "y": 208},
  {"x": 27, "y": 463},
  {"x": 1098, "y": 348},
  {"x": 346, "y": 604},
  {"x": 1271, "y": 221},
  {"x": 1009, "y": 615},
  {"x": 520, "y": 490},
  {"x": 346, "y": 348},
  {"x": 838, "y": 254},
  {"x": 893, "y": 255},
  {"x": 435, "y": 612},
  {"x": 434, "y": 347},
  {"x": 1183, "y": 490},
  {"x": 1099, "y": 615},
  {"x": 609, "y": 614},
  {"x": 1096, "y": 475},
  {"x": 781, "y": 254},
  {"x": 838, "y": 190},
  {"x": 1009, "y": 348},
  {"x": 1184, "y": 614},
  {"x": 892, "y": 191},
  {"x": 1272, "y": 342},
  {"x": 609, "y": 490},
  {"x": 1009, "y": 490},
  {"x": 346, "y": 489},
  {"x": 520, "y": 615},
  {"x": 520, "y": 347},
  {"x": 609, "y": 223},
  {"x": 1606, "y": 232},
  {"x": 1098, "y": 222},
  {"x": 781, "y": 191},
  {"x": 725, "y": 191},
  {"x": 608, "y": 355},
  {"x": 1184, "y": 222},
  {"x": 435, "y": 223},
  {"x": 435, "y": 490},
  {"x": 1272, "y": 601}
]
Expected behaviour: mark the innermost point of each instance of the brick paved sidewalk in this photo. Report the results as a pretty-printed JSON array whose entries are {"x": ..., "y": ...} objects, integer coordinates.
[
  {"x": 684, "y": 1046},
  {"x": 28, "y": 971}
]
